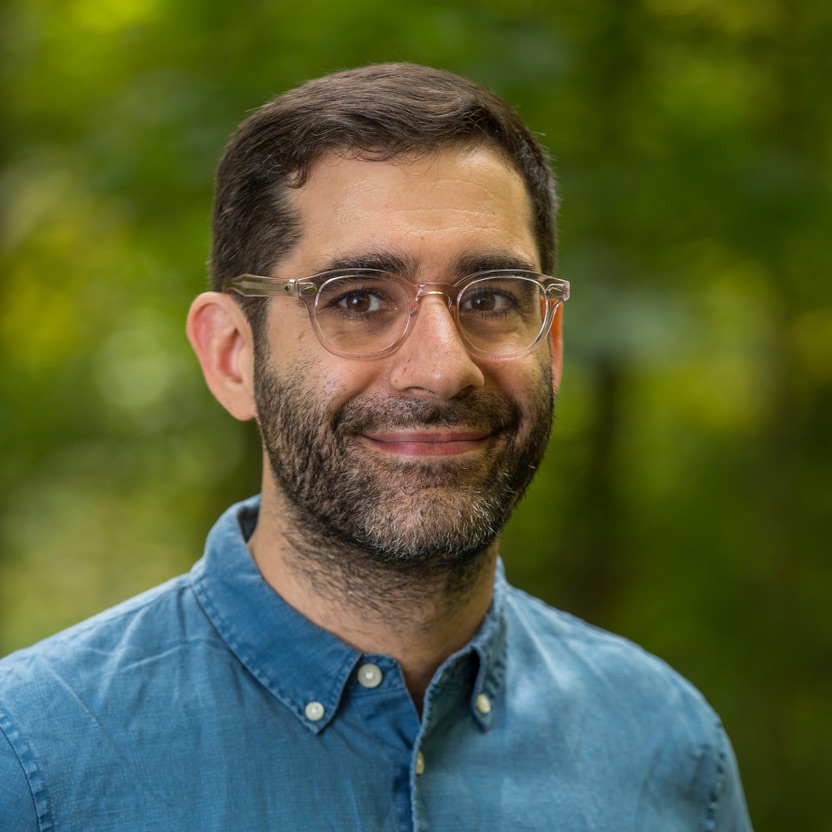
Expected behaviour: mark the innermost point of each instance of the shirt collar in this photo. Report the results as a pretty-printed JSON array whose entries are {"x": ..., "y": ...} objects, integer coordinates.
[{"x": 297, "y": 661}]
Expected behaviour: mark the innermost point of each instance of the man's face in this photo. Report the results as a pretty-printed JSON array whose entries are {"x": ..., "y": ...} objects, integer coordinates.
[{"x": 421, "y": 455}]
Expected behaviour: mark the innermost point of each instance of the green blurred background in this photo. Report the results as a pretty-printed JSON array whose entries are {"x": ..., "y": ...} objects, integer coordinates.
[{"x": 686, "y": 499}]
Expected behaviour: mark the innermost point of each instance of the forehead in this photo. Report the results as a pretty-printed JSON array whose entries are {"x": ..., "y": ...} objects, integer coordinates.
[{"x": 458, "y": 202}]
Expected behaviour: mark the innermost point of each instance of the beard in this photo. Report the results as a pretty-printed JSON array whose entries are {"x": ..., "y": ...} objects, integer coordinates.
[{"x": 421, "y": 516}]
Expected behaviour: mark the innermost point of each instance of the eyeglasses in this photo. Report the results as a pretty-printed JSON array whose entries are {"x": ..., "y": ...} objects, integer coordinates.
[{"x": 367, "y": 313}]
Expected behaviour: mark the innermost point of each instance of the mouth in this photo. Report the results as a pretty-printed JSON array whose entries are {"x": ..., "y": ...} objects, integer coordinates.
[{"x": 428, "y": 443}]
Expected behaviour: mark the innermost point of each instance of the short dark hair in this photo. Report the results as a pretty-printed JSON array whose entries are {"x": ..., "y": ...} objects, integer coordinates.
[{"x": 378, "y": 113}]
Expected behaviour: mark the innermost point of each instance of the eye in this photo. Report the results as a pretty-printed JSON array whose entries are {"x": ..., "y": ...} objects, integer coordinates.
[
  {"x": 488, "y": 300},
  {"x": 361, "y": 301}
]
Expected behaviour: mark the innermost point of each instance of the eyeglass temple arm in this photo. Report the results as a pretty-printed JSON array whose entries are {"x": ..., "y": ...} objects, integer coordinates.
[{"x": 252, "y": 285}]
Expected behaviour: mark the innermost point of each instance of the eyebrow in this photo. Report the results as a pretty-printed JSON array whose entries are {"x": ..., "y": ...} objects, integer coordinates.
[
  {"x": 488, "y": 261},
  {"x": 383, "y": 261},
  {"x": 405, "y": 266}
]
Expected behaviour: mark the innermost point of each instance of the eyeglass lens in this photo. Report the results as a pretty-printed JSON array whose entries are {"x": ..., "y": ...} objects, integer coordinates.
[{"x": 362, "y": 315}]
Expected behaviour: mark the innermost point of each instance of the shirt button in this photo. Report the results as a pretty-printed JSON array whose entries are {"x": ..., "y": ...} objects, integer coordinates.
[
  {"x": 369, "y": 675},
  {"x": 314, "y": 711},
  {"x": 483, "y": 704},
  {"x": 420, "y": 762}
]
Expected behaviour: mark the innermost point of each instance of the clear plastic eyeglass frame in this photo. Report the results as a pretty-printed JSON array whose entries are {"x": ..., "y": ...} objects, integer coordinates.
[{"x": 552, "y": 292}]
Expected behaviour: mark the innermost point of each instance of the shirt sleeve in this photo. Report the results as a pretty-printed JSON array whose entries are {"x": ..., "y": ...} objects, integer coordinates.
[
  {"x": 730, "y": 813},
  {"x": 17, "y": 804}
]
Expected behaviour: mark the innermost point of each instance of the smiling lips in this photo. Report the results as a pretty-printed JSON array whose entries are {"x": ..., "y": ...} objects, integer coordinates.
[{"x": 428, "y": 442}]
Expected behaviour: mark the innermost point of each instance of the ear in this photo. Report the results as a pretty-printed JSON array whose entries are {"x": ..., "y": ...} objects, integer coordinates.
[
  {"x": 556, "y": 346},
  {"x": 221, "y": 337}
]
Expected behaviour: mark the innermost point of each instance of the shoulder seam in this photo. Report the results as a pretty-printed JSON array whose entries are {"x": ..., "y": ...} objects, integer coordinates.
[
  {"x": 719, "y": 779},
  {"x": 28, "y": 764}
]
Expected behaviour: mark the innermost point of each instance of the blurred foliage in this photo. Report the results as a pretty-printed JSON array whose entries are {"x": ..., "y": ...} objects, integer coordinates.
[{"x": 686, "y": 499}]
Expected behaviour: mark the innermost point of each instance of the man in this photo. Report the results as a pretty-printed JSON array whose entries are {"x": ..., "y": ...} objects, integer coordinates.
[{"x": 347, "y": 654}]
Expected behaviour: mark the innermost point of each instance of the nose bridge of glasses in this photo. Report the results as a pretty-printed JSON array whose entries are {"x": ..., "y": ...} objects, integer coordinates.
[
  {"x": 424, "y": 290},
  {"x": 440, "y": 324},
  {"x": 439, "y": 290}
]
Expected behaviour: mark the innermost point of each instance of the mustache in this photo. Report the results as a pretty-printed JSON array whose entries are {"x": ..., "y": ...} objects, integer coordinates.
[{"x": 479, "y": 411}]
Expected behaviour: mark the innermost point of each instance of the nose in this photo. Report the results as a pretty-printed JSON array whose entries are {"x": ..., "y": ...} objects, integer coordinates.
[{"x": 433, "y": 360}]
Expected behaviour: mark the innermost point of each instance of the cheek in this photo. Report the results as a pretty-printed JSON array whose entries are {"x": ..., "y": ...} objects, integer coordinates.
[
  {"x": 527, "y": 381},
  {"x": 332, "y": 382},
  {"x": 294, "y": 352},
  {"x": 291, "y": 334}
]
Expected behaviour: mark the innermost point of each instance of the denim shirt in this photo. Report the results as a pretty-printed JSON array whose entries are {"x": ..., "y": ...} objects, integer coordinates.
[{"x": 210, "y": 704}]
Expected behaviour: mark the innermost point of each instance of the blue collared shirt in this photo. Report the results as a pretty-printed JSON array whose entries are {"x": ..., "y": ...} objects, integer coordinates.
[{"x": 210, "y": 704}]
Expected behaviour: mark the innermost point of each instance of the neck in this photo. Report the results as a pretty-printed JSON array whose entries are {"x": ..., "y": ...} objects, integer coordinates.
[{"x": 417, "y": 613}]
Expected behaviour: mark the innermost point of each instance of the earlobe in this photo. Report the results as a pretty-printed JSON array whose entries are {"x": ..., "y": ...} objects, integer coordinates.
[{"x": 221, "y": 338}]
